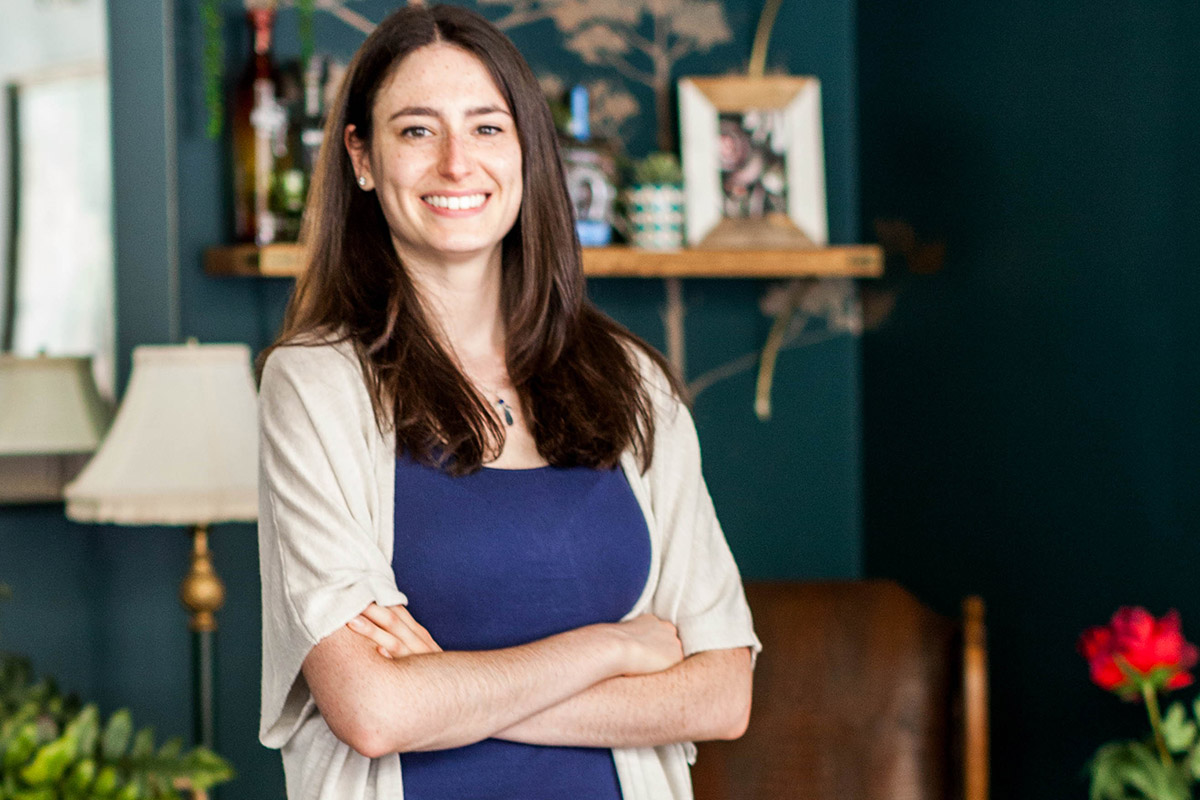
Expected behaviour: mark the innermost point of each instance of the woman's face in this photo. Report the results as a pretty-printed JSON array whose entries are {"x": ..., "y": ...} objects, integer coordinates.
[{"x": 445, "y": 158}]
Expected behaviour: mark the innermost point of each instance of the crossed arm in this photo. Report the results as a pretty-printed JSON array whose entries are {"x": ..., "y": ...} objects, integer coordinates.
[{"x": 384, "y": 686}]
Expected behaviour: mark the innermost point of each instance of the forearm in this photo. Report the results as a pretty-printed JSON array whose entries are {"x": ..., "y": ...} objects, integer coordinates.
[
  {"x": 439, "y": 700},
  {"x": 706, "y": 696}
]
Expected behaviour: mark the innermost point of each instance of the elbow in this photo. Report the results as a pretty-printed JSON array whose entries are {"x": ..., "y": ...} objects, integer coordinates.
[
  {"x": 369, "y": 746},
  {"x": 368, "y": 734},
  {"x": 735, "y": 716},
  {"x": 370, "y": 741},
  {"x": 362, "y": 736},
  {"x": 738, "y": 722}
]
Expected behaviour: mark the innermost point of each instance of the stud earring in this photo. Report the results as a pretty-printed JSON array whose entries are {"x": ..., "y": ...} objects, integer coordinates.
[{"x": 362, "y": 181}]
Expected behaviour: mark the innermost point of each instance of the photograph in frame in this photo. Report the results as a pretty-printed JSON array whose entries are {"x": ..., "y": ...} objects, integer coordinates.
[{"x": 753, "y": 162}]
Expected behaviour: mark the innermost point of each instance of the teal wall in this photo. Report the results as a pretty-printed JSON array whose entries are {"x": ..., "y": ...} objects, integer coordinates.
[
  {"x": 1030, "y": 414},
  {"x": 96, "y": 605}
]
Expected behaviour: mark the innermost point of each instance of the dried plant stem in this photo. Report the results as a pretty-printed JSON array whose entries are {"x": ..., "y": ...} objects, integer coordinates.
[
  {"x": 762, "y": 37},
  {"x": 766, "y": 368},
  {"x": 673, "y": 324}
]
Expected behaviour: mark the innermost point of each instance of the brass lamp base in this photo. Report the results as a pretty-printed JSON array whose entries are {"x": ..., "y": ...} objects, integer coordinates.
[
  {"x": 201, "y": 591},
  {"x": 203, "y": 594}
]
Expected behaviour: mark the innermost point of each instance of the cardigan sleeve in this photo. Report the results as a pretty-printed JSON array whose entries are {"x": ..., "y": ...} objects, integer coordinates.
[
  {"x": 700, "y": 589},
  {"x": 319, "y": 553}
]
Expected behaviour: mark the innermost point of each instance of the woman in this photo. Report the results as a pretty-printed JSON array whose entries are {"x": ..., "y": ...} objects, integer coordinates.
[{"x": 490, "y": 565}]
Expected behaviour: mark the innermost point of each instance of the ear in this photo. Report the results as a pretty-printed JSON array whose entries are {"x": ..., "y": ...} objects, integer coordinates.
[{"x": 359, "y": 157}]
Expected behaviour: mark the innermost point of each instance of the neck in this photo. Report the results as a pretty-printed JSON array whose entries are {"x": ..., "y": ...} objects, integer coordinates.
[{"x": 463, "y": 301}]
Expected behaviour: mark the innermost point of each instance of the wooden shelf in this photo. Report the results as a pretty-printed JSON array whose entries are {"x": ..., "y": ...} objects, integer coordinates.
[
  {"x": 848, "y": 261},
  {"x": 843, "y": 261}
]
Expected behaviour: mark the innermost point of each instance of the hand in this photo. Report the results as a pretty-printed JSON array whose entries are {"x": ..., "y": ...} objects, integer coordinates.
[
  {"x": 652, "y": 644},
  {"x": 394, "y": 631}
]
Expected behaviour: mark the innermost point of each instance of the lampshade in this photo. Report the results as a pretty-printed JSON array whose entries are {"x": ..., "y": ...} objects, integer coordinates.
[
  {"x": 51, "y": 417},
  {"x": 184, "y": 447}
]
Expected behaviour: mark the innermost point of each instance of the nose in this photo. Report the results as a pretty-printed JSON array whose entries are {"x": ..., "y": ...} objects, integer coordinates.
[{"x": 455, "y": 161}]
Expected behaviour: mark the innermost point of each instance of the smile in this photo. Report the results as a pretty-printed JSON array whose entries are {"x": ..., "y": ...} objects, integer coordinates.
[{"x": 460, "y": 203}]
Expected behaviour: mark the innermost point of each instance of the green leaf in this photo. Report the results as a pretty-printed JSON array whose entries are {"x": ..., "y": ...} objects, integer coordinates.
[
  {"x": 51, "y": 761},
  {"x": 206, "y": 769},
  {"x": 143, "y": 745},
  {"x": 85, "y": 728},
  {"x": 80, "y": 778},
  {"x": 1132, "y": 770},
  {"x": 171, "y": 749},
  {"x": 107, "y": 782},
  {"x": 21, "y": 748},
  {"x": 1179, "y": 731},
  {"x": 35, "y": 794},
  {"x": 117, "y": 733},
  {"x": 131, "y": 791}
]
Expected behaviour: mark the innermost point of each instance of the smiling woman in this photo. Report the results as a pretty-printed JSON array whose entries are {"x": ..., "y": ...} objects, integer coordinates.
[
  {"x": 490, "y": 563},
  {"x": 445, "y": 162}
]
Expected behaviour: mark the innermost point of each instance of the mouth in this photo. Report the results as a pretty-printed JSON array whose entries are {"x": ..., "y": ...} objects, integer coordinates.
[{"x": 465, "y": 202}]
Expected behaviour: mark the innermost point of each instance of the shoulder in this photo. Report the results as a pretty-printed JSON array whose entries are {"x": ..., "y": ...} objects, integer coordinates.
[
  {"x": 315, "y": 373},
  {"x": 310, "y": 359}
]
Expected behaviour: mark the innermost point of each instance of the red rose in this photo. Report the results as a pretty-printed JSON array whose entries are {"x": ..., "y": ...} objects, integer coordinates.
[{"x": 1135, "y": 649}]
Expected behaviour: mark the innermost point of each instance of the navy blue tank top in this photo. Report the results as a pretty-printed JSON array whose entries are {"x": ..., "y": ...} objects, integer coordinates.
[{"x": 504, "y": 557}]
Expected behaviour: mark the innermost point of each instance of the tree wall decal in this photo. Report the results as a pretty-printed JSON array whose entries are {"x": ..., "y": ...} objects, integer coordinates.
[{"x": 613, "y": 33}]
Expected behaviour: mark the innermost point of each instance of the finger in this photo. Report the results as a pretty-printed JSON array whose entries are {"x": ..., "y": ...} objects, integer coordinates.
[
  {"x": 384, "y": 642},
  {"x": 400, "y": 625},
  {"x": 420, "y": 630}
]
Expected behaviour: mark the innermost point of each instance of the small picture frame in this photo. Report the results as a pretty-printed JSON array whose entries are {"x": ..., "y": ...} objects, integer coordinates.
[{"x": 753, "y": 162}]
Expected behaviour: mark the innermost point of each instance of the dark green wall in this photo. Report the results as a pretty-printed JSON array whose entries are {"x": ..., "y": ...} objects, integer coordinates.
[
  {"x": 1030, "y": 422},
  {"x": 96, "y": 604}
]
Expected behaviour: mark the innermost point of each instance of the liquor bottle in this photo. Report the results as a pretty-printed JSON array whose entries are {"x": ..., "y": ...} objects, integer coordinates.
[
  {"x": 259, "y": 128},
  {"x": 312, "y": 126},
  {"x": 590, "y": 169}
]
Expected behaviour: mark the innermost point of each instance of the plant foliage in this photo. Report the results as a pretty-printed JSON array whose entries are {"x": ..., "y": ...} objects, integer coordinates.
[
  {"x": 658, "y": 169},
  {"x": 1133, "y": 770},
  {"x": 52, "y": 748}
]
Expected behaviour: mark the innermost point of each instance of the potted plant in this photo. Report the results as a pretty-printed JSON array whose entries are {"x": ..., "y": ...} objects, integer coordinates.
[
  {"x": 54, "y": 748},
  {"x": 655, "y": 203}
]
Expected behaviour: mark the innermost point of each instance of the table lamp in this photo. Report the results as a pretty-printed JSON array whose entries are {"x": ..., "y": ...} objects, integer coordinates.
[
  {"x": 183, "y": 450},
  {"x": 51, "y": 419}
]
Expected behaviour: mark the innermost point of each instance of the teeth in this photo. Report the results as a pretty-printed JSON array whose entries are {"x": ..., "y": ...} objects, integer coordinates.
[{"x": 456, "y": 203}]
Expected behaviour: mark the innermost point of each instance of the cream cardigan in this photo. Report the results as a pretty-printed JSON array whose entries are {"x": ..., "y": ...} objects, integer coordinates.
[{"x": 326, "y": 489}]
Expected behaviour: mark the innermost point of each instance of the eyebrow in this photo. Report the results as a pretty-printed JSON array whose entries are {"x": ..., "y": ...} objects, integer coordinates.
[{"x": 425, "y": 111}]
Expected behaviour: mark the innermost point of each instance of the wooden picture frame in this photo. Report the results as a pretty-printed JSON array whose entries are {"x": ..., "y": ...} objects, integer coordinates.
[{"x": 753, "y": 162}]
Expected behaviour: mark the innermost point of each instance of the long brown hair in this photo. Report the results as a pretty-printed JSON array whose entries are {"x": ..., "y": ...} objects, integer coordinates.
[{"x": 575, "y": 370}]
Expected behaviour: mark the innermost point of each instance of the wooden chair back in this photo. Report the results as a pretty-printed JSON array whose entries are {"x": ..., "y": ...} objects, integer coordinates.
[{"x": 861, "y": 693}]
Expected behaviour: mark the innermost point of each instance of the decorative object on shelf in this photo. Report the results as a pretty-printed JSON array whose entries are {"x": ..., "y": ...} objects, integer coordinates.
[
  {"x": 182, "y": 451},
  {"x": 56, "y": 749},
  {"x": 1137, "y": 657},
  {"x": 590, "y": 169},
  {"x": 260, "y": 137},
  {"x": 51, "y": 420},
  {"x": 655, "y": 203},
  {"x": 754, "y": 161},
  {"x": 754, "y": 155}
]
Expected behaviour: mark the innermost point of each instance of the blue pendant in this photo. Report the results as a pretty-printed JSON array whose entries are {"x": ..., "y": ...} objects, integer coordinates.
[{"x": 505, "y": 410}]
